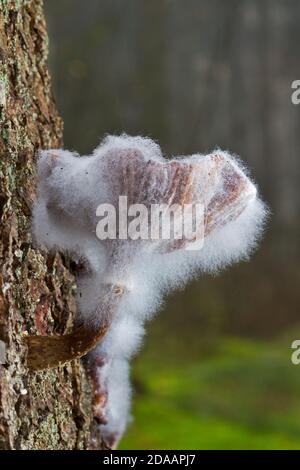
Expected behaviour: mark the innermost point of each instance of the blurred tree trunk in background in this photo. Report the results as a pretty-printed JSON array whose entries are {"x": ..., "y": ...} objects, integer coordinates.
[
  {"x": 195, "y": 75},
  {"x": 48, "y": 410}
]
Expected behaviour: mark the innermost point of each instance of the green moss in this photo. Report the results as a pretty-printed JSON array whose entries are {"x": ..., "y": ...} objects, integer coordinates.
[{"x": 242, "y": 395}]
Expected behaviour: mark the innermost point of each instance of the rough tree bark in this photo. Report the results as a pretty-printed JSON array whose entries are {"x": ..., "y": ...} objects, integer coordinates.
[{"x": 48, "y": 410}]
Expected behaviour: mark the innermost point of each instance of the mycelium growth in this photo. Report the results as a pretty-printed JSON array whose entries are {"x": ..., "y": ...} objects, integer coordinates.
[{"x": 122, "y": 281}]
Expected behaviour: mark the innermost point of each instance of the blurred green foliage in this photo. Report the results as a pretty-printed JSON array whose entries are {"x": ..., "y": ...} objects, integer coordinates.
[{"x": 241, "y": 395}]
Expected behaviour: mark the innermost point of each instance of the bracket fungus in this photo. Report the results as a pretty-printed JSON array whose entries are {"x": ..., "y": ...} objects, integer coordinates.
[{"x": 123, "y": 279}]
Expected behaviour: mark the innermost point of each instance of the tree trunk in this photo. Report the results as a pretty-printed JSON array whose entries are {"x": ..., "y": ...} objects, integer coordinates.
[{"x": 47, "y": 410}]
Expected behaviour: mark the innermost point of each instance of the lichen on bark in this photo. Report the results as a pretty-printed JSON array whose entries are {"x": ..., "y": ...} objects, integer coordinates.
[{"x": 47, "y": 410}]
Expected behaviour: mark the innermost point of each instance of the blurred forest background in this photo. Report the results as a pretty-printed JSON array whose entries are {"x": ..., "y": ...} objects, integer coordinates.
[{"x": 215, "y": 371}]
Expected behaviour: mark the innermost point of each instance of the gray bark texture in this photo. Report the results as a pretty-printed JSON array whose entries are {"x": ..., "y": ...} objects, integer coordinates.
[{"x": 46, "y": 410}]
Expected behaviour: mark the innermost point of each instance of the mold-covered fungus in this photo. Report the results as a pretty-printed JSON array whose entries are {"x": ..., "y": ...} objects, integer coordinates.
[{"x": 122, "y": 281}]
